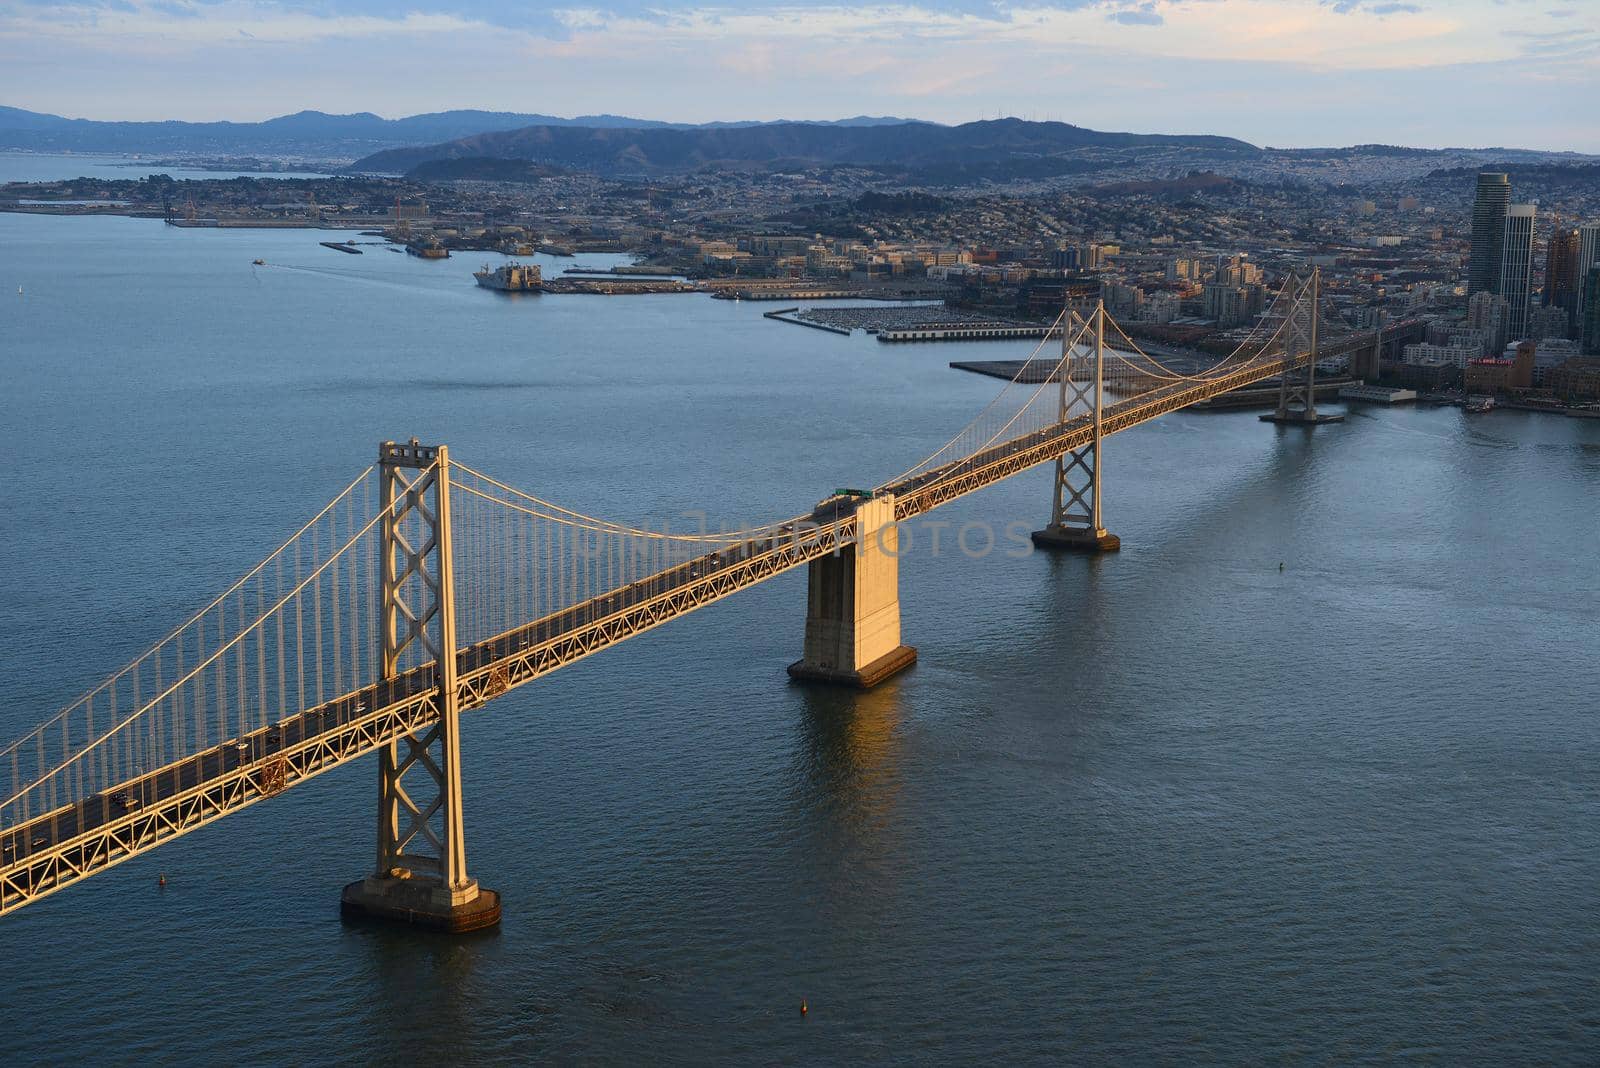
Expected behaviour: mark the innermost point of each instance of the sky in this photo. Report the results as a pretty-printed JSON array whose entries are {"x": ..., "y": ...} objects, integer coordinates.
[{"x": 1427, "y": 73}]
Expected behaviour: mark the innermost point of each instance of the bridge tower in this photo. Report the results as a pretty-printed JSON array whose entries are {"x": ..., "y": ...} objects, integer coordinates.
[
  {"x": 853, "y": 606},
  {"x": 421, "y": 874},
  {"x": 1075, "y": 513},
  {"x": 1305, "y": 312}
]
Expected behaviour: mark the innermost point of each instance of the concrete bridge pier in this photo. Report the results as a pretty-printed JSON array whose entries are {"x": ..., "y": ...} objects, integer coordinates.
[{"x": 853, "y": 607}]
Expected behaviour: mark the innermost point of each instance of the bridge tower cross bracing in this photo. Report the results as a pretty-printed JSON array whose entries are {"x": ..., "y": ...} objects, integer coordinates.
[
  {"x": 1075, "y": 521},
  {"x": 421, "y": 873},
  {"x": 1297, "y": 400}
]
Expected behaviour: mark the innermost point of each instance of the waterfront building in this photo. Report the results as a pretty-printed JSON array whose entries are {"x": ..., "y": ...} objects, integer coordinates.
[
  {"x": 1577, "y": 380},
  {"x": 1452, "y": 355},
  {"x": 1429, "y": 377},
  {"x": 1550, "y": 354},
  {"x": 1488, "y": 232},
  {"x": 1497, "y": 376},
  {"x": 1516, "y": 268}
]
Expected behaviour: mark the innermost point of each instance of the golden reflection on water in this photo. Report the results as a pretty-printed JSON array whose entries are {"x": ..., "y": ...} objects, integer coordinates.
[{"x": 852, "y": 752}]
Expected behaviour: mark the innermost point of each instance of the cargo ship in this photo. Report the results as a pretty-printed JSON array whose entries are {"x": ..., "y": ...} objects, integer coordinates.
[{"x": 510, "y": 278}]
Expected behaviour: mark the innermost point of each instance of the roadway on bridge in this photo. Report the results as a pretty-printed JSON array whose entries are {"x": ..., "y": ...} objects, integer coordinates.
[{"x": 24, "y": 848}]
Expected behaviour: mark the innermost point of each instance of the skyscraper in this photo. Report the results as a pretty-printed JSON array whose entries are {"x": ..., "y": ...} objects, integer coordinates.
[
  {"x": 1591, "y": 313},
  {"x": 1561, "y": 268},
  {"x": 1516, "y": 268},
  {"x": 1488, "y": 231},
  {"x": 1588, "y": 258}
]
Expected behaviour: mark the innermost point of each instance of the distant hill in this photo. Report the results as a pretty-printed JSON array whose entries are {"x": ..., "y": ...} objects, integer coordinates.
[
  {"x": 306, "y": 133},
  {"x": 1173, "y": 188},
  {"x": 1026, "y": 147},
  {"x": 483, "y": 169}
]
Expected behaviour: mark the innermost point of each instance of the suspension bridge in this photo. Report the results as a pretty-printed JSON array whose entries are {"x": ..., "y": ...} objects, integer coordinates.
[{"x": 427, "y": 588}]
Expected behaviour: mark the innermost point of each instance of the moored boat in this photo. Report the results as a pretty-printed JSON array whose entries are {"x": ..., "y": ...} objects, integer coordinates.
[{"x": 510, "y": 278}]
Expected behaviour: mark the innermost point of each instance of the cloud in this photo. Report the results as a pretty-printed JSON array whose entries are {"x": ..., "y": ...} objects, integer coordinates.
[
  {"x": 1348, "y": 7},
  {"x": 1143, "y": 15},
  {"x": 179, "y": 26},
  {"x": 1381, "y": 70}
]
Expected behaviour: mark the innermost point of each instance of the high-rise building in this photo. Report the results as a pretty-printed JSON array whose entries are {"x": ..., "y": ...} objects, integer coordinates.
[
  {"x": 1591, "y": 313},
  {"x": 1588, "y": 258},
  {"x": 1488, "y": 231},
  {"x": 1561, "y": 268},
  {"x": 1516, "y": 268}
]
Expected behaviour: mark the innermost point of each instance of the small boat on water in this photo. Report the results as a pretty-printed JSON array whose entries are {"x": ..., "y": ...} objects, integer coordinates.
[
  {"x": 1479, "y": 405},
  {"x": 258, "y": 263}
]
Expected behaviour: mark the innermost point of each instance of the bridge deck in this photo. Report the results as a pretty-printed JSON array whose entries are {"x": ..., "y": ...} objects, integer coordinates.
[{"x": 59, "y": 848}]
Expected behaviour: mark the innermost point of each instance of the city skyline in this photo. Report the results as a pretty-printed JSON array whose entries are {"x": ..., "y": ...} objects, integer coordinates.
[{"x": 1285, "y": 73}]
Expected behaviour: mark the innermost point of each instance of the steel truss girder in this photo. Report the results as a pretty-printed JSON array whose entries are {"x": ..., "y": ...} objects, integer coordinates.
[
  {"x": 942, "y": 485},
  {"x": 86, "y": 854},
  {"x": 38, "y": 875},
  {"x": 491, "y": 680},
  {"x": 139, "y": 832}
]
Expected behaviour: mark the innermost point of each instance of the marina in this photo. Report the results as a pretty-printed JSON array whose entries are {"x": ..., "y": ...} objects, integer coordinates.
[
  {"x": 625, "y": 270},
  {"x": 912, "y": 322},
  {"x": 618, "y": 287}
]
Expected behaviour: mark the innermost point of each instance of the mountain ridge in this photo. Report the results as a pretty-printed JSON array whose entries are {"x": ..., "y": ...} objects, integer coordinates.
[
  {"x": 1029, "y": 146},
  {"x": 314, "y": 132}
]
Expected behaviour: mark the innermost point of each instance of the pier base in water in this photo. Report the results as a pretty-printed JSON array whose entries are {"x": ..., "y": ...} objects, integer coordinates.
[
  {"x": 421, "y": 903},
  {"x": 864, "y": 678},
  {"x": 1071, "y": 539},
  {"x": 1296, "y": 417}
]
